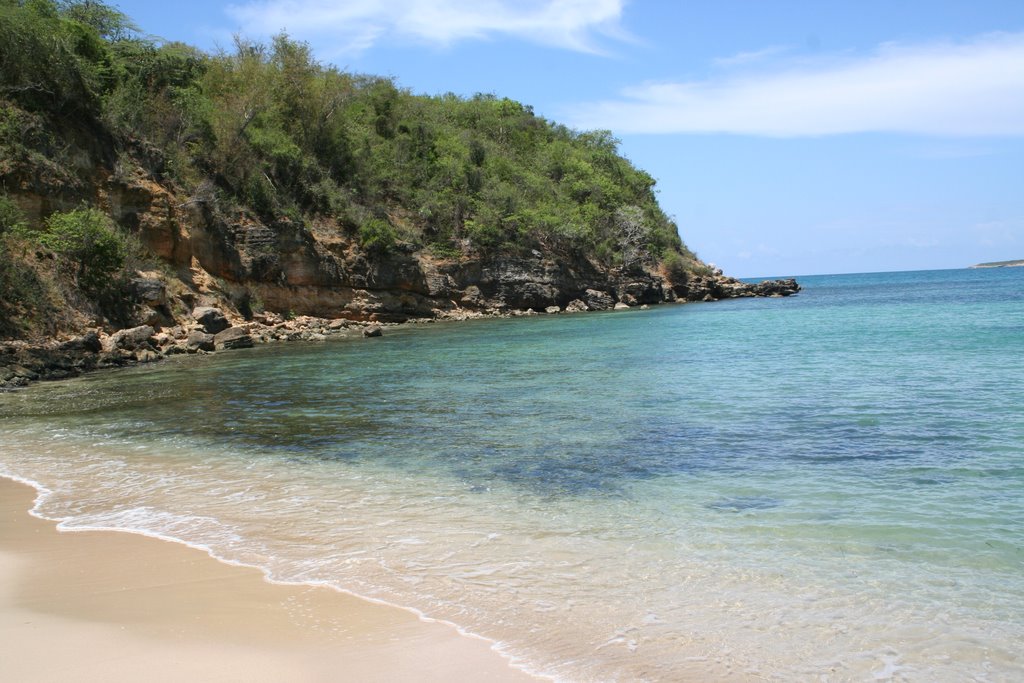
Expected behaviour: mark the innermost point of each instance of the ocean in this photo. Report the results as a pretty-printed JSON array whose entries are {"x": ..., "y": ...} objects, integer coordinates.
[{"x": 827, "y": 487}]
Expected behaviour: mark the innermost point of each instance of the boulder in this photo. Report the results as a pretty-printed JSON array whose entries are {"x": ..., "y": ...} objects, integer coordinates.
[
  {"x": 639, "y": 291},
  {"x": 90, "y": 341},
  {"x": 232, "y": 338},
  {"x": 776, "y": 288},
  {"x": 149, "y": 291},
  {"x": 373, "y": 331},
  {"x": 199, "y": 341},
  {"x": 621, "y": 306},
  {"x": 131, "y": 339},
  {"x": 576, "y": 306},
  {"x": 472, "y": 296},
  {"x": 212, "y": 319},
  {"x": 598, "y": 300},
  {"x": 552, "y": 309}
]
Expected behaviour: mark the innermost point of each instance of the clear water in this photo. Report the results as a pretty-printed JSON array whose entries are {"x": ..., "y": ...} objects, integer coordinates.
[{"x": 828, "y": 487}]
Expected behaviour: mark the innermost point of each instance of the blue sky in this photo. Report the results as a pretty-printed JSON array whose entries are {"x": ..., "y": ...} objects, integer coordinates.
[{"x": 788, "y": 138}]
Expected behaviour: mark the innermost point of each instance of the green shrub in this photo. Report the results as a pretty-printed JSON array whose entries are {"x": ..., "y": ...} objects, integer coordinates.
[
  {"x": 88, "y": 242},
  {"x": 377, "y": 234},
  {"x": 445, "y": 250},
  {"x": 676, "y": 267},
  {"x": 484, "y": 234},
  {"x": 11, "y": 217}
]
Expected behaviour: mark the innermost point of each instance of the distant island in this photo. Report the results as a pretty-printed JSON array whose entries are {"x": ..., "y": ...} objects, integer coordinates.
[{"x": 999, "y": 264}]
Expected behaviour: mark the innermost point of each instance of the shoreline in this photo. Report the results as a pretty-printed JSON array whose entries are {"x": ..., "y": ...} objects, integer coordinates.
[
  {"x": 209, "y": 329},
  {"x": 126, "y": 606}
]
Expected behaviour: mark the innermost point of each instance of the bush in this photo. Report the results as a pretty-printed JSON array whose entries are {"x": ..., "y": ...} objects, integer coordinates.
[
  {"x": 88, "y": 241},
  {"x": 11, "y": 217},
  {"x": 377, "y": 235},
  {"x": 27, "y": 296},
  {"x": 675, "y": 267}
]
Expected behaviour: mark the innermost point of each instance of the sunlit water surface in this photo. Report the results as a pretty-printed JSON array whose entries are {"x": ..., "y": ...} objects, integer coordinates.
[{"x": 828, "y": 487}]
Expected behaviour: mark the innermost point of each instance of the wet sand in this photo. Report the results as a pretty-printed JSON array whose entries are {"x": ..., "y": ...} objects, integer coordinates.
[{"x": 109, "y": 606}]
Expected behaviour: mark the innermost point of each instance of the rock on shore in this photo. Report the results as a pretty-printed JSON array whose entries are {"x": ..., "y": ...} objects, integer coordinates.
[{"x": 22, "y": 362}]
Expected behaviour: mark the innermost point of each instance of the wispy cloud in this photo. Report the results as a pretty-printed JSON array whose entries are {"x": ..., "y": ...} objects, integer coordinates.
[
  {"x": 974, "y": 88},
  {"x": 356, "y": 25},
  {"x": 753, "y": 57}
]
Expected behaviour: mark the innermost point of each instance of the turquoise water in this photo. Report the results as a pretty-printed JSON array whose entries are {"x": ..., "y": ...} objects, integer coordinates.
[{"x": 826, "y": 487}]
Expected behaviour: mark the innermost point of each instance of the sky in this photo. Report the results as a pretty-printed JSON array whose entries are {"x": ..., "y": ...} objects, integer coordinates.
[{"x": 787, "y": 137}]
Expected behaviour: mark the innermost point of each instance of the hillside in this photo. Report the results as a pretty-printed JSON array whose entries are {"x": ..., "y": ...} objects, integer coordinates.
[{"x": 141, "y": 179}]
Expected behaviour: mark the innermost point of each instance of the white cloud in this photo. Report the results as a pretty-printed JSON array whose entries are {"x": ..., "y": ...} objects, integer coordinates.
[
  {"x": 974, "y": 88},
  {"x": 746, "y": 58},
  {"x": 359, "y": 24}
]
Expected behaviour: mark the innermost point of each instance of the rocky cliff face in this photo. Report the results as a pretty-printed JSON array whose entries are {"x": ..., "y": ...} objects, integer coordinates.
[{"x": 243, "y": 264}]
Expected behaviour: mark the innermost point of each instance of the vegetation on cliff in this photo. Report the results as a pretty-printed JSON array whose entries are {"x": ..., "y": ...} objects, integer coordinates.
[{"x": 267, "y": 132}]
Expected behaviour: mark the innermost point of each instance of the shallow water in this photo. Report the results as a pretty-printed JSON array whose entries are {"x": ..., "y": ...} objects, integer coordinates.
[{"x": 827, "y": 487}]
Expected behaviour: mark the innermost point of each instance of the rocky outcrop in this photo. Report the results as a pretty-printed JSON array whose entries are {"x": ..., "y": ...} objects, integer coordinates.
[
  {"x": 22, "y": 363},
  {"x": 320, "y": 269},
  {"x": 714, "y": 286}
]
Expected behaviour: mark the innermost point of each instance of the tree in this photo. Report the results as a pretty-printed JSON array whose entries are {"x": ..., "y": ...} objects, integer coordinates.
[{"x": 107, "y": 21}]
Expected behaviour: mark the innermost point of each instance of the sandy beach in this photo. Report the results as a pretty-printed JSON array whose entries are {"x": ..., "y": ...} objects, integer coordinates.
[{"x": 108, "y": 606}]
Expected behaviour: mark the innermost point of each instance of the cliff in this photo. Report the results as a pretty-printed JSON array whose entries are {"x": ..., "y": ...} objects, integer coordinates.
[{"x": 143, "y": 182}]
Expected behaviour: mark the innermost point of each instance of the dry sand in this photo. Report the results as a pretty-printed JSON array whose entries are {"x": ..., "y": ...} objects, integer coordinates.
[{"x": 108, "y": 606}]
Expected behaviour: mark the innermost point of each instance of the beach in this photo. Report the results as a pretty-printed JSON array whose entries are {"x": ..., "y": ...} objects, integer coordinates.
[{"x": 110, "y": 606}]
